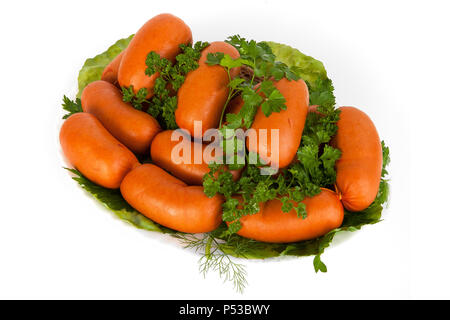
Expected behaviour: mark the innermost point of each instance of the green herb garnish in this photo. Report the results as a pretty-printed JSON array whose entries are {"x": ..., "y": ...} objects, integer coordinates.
[
  {"x": 163, "y": 103},
  {"x": 215, "y": 258},
  {"x": 315, "y": 168},
  {"x": 71, "y": 106},
  {"x": 321, "y": 93}
]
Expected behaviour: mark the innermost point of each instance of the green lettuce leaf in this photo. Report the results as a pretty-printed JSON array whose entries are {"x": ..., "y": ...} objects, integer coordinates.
[
  {"x": 321, "y": 90},
  {"x": 93, "y": 67},
  {"x": 309, "y": 69}
]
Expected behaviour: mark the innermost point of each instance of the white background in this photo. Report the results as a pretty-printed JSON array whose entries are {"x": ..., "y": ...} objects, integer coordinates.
[{"x": 390, "y": 58}]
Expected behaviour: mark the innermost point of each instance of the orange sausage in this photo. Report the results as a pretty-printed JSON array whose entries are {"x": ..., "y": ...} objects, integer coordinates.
[
  {"x": 134, "y": 128},
  {"x": 90, "y": 148},
  {"x": 359, "y": 168},
  {"x": 169, "y": 201},
  {"x": 204, "y": 92},
  {"x": 161, "y": 152},
  {"x": 324, "y": 213},
  {"x": 290, "y": 122},
  {"x": 163, "y": 34},
  {"x": 112, "y": 69}
]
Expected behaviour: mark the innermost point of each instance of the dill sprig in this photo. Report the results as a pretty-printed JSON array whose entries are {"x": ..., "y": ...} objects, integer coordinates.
[{"x": 214, "y": 258}]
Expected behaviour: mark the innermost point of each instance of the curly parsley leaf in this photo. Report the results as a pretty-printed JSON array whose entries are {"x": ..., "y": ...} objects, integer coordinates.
[
  {"x": 138, "y": 99},
  {"x": 188, "y": 59},
  {"x": 328, "y": 159},
  {"x": 321, "y": 93},
  {"x": 171, "y": 76}
]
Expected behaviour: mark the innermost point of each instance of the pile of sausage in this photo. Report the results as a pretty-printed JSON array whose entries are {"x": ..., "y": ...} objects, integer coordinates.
[{"x": 102, "y": 143}]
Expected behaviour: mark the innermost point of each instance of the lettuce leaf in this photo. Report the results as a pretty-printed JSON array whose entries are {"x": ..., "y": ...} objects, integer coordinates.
[
  {"x": 309, "y": 69},
  {"x": 93, "y": 67},
  {"x": 321, "y": 90}
]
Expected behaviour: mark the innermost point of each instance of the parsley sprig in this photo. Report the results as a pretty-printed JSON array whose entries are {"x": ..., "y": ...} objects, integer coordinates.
[
  {"x": 257, "y": 91},
  {"x": 138, "y": 100},
  {"x": 171, "y": 76},
  {"x": 259, "y": 57},
  {"x": 316, "y": 158}
]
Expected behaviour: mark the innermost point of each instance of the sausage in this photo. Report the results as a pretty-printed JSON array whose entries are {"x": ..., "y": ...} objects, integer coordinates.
[
  {"x": 112, "y": 69},
  {"x": 169, "y": 201},
  {"x": 192, "y": 173},
  {"x": 134, "y": 128},
  {"x": 92, "y": 150},
  {"x": 358, "y": 171},
  {"x": 270, "y": 224},
  {"x": 163, "y": 34},
  {"x": 290, "y": 123},
  {"x": 204, "y": 92}
]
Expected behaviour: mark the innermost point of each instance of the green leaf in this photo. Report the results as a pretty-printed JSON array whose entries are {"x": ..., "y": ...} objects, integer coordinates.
[
  {"x": 301, "y": 210},
  {"x": 308, "y": 68},
  {"x": 137, "y": 100},
  {"x": 188, "y": 59},
  {"x": 321, "y": 93},
  {"x": 287, "y": 205},
  {"x": 235, "y": 82},
  {"x": 276, "y": 96},
  {"x": 266, "y": 109},
  {"x": 328, "y": 158},
  {"x": 228, "y": 62},
  {"x": 214, "y": 58},
  {"x": 319, "y": 265},
  {"x": 93, "y": 67},
  {"x": 71, "y": 106},
  {"x": 155, "y": 63},
  {"x": 266, "y": 87},
  {"x": 233, "y": 227},
  {"x": 252, "y": 100},
  {"x": 234, "y": 120}
]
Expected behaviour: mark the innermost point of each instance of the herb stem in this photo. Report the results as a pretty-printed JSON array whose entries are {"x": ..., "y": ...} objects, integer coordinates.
[{"x": 228, "y": 99}]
